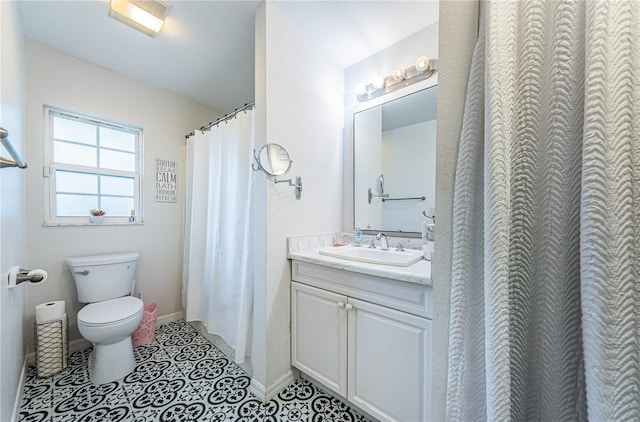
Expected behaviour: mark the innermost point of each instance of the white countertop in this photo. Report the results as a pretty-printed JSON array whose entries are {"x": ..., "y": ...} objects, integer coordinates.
[{"x": 419, "y": 273}]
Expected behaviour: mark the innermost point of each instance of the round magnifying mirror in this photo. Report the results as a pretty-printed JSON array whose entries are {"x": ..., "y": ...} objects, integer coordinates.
[{"x": 274, "y": 159}]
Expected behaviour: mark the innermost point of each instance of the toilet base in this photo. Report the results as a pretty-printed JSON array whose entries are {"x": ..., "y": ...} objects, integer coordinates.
[{"x": 110, "y": 362}]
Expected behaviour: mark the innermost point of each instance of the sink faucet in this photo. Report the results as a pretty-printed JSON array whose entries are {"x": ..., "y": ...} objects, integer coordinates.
[{"x": 384, "y": 244}]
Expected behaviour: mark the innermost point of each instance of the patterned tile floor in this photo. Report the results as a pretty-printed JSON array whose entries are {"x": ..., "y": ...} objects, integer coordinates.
[{"x": 179, "y": 377}]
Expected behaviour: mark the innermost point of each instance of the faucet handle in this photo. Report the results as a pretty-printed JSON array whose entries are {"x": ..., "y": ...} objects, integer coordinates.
[
  {"x": 372, "y": 244},
  {"x": 400, "y": 247}
]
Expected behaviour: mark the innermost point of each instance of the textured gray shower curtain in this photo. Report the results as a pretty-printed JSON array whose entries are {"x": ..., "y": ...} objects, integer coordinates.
[{"x": 545, "y": 295}]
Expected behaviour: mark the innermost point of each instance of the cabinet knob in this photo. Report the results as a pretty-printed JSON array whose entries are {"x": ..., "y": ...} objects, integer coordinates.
[
  {"x": 340, "y": 304},
  {"x": 349, "y": 307}
]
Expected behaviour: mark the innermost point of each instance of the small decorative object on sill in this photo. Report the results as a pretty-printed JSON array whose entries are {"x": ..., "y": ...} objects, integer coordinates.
[{"x": 97, "y": 216}]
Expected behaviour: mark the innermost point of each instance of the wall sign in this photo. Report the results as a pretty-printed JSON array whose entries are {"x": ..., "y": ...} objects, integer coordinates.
[{"x": 166, "y": 180}]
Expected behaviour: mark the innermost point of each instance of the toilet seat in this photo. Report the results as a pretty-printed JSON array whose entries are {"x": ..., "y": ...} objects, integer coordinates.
[{"x": 110, "y": 312}]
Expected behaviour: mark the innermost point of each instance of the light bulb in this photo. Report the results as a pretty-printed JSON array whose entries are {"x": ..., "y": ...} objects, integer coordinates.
[
  {"x": 378, "y": 82},
  {"x": 361, "y": 89},
  {"x": 422, "y": 64},
  {"x": 398, "y": 74}
]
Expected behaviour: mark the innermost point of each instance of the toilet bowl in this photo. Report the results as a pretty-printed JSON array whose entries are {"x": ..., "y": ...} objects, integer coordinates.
[
  {"x": 105, "y": 283},
  {"x": 109, "y": 325}
]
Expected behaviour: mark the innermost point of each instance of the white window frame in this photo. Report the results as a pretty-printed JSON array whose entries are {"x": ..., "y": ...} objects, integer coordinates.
[{"x": 50, "y": 167}]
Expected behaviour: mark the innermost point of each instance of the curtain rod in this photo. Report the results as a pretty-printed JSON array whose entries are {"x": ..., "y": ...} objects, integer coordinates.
[{"x": 247, "y": 106}]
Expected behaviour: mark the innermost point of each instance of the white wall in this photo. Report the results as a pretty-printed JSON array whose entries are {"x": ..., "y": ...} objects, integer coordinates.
[
  {"x": 298, "y": 105},
  {"x": 259, "y": 343},
  {"x": 403, "y": 53},
  {"x": 59, "y": 80},
  {"x": 12, "y": 220},
  {"x": 458, "y": 32},
  {"x": 409, "y": 169}
]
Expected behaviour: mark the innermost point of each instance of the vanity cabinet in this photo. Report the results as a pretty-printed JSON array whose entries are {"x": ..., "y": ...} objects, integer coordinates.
[
  {"x": 349, "y": 335},
  {"x": 319, "y": 335}
]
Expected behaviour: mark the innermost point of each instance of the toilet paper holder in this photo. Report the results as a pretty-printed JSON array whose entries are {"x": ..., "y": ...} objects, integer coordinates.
[{"x": 18, "y": 275}]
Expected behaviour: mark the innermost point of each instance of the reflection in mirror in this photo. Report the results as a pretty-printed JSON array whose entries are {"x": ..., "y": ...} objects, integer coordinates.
[
  {"x": 274, "y": 159},
  {"x": 394, "y": 154}
]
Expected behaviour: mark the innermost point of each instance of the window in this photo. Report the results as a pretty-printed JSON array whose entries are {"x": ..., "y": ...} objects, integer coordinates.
[{"x": 91, "y": 163}]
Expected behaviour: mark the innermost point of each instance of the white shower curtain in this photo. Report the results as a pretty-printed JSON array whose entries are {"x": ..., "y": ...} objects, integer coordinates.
[
  {"x": 545, "y": 295},
  {"x": 219, "y": 233}
]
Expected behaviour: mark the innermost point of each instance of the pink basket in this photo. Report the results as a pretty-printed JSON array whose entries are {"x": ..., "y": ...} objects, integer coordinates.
[{"x": 146, "y": 331}]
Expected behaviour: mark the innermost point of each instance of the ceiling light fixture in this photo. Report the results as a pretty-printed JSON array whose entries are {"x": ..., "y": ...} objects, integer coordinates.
[
  {"x": 146, "y": 16},
  {"x": 400, "y": 78}
]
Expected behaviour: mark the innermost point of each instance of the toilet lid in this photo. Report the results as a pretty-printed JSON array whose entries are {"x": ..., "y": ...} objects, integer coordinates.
[{"x": 110, "y": 311}]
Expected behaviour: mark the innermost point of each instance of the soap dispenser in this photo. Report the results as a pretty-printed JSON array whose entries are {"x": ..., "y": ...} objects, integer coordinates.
[{"x": 357, "y": 236}]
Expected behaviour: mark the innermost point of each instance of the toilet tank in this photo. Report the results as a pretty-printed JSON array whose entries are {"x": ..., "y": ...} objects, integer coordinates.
[{"x": 103, "y": 277}]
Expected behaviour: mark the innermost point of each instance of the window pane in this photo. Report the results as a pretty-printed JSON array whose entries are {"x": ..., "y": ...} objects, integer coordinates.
[
  {"x": 96, "y": 165},
  {"x": 72, "y": 130},
  {"x": 117, "y": 207},
  {"x": 72, "y": 182},
  {"x": 64, "y": 152},
  {"x": 117, "y": 160},
  {"x": 75, "y": 205},
  {"x": 117, "y": 139},
  {"x": 110, "y": 185}
]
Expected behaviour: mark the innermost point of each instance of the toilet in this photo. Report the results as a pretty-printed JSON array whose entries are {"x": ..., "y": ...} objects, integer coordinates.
[{"x": 105, "y": 283}]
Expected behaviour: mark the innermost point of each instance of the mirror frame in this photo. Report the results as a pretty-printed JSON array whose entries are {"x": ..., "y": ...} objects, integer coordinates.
[{"x": 261, "y": 167}]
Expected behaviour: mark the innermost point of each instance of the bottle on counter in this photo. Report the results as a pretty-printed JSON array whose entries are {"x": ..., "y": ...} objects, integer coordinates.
[{"x": 357, "y": 236}]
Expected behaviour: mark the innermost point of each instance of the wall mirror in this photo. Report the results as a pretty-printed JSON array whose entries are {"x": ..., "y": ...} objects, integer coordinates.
[
  {"x": 273, "y": 159},
  {"x": 395, "y": 163}
]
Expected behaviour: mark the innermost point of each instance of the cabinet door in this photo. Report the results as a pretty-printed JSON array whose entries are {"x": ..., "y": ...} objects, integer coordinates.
[
  {"x": 389, "y": 362},
  {"x": 319, "y": 335}
]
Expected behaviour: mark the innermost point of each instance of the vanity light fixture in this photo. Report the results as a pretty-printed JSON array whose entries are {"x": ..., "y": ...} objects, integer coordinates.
[
  {"x": 422, "y": 64},
  {"x": 399, "y": 74},
  {"x": 378, "y": 82},
  {"x": 400, "y": 78},
  {"x": 146, "y": 16}
]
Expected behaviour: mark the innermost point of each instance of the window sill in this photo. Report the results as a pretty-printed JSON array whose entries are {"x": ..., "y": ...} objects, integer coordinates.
[{"x": 91, "y": 224}]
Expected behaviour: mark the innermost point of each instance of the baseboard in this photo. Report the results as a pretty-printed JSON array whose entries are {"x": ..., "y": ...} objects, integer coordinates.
[
  {"x": 78, "y": 345},
  {"x": 257, "y": 390},
  {"x": 266, "y": 394},
  {"x": 81, "y": 344},
  {"x": 18, "y": 402},
  {"x": 176, "y": 316}
]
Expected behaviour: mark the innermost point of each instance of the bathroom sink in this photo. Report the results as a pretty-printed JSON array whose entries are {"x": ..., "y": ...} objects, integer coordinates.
[{"x": 374, "y": 256}]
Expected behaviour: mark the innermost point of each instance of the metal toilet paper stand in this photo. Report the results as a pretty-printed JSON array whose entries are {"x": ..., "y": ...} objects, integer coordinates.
[{"x": 51, "y": 346}]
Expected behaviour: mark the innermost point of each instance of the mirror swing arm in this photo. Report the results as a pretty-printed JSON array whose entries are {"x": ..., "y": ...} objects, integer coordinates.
[
  {"x": 370, "y": 195},
  {"x": 297, "y": 185},
  {"x": 277, "y": 172}
]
